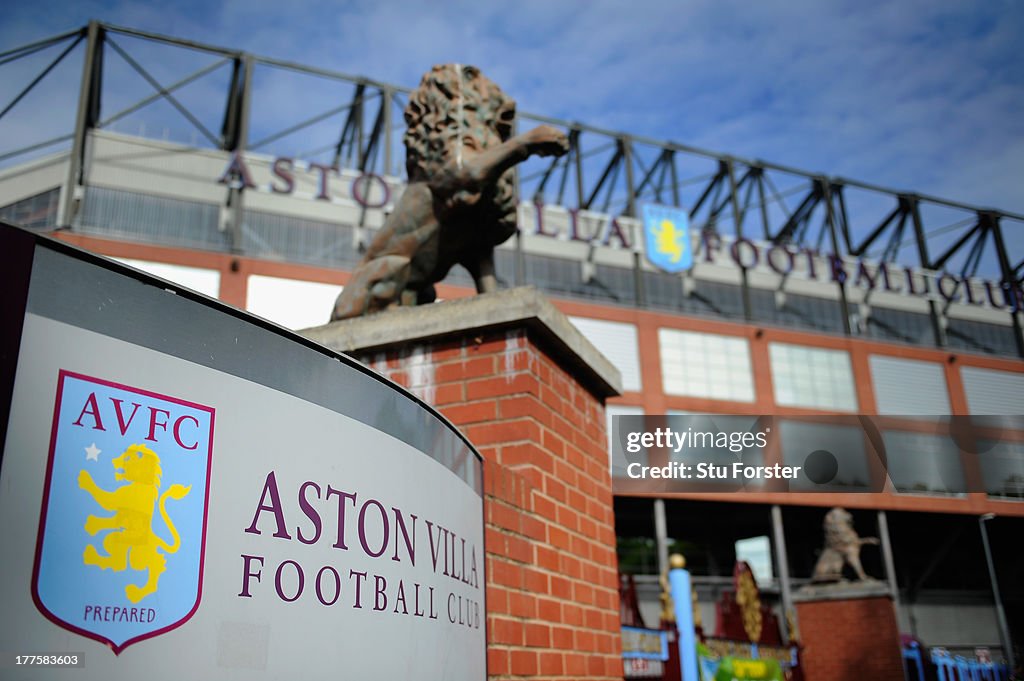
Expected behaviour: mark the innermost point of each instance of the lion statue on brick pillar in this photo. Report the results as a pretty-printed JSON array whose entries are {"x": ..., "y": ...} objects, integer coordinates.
[
  {"x": 460, "y": 200},
  {"x": 842, "y": 547}
]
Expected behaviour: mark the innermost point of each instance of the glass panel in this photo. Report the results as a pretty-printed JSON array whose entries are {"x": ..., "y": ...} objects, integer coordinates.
[
  {"x": 811, "y": 377},
  {"x": 923, "y": 463},
  {"x": 152, "y": 219},
  {"x": 995, "y": 339},
  {"x": 35, "y": 212},
  {"x": 1002, "y": 468},
  {"x": 565, "y": 277},
  {"x": 797, "y": 310},
  {"x": 282, "y": 237},
  {"x": 844, "y": 443},
  {"x": 899, "y": 325},
  {"x": 706, "y": 365}
]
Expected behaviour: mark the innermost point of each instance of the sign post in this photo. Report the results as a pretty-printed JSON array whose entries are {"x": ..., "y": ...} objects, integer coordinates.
[{"x": 679, "y": 583}]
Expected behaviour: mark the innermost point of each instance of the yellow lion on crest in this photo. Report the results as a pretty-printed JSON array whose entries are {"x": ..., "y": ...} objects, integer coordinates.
[{"x": 134, "y": 543}]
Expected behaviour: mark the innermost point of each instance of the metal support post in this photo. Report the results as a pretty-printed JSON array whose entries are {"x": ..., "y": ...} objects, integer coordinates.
[
  {"x": 890, "y": 564},
  {"x": 626, "y": 150},
  {"x": 236, "y": 196},
  {"x": 782, "y": 567},
  {"x": 844, "y": 304},
  {"x": 1004, "y": 629},
  {"x": 922, "y": 250},
  {"x": 389, "y": 97},
  {"x": 88, "y": 114},
  {"x": 1009, "y": 281},
  {"x": 661, "y": 535},
  {"x": 737, "y": 221}
]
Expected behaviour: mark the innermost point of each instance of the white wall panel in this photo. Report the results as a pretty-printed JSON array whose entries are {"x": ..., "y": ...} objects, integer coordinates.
[
  {"x": 198, "y": 279},
  {"x": 909, "y": 387},
  {"x": 990, "y": 391},
  {"x": 616, "y": 341},
  {"x": 291, "y": 303},
  {"x": 611, "y": 411}
]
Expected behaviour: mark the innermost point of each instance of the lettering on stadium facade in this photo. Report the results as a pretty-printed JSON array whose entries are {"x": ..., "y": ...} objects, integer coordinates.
[{"x": 371, "y": 191}]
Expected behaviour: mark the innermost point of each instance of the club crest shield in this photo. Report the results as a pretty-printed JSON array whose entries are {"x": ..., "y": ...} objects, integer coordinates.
[
  {"x": 122, "y": 530},
  {"x": 667, "y": 237}
]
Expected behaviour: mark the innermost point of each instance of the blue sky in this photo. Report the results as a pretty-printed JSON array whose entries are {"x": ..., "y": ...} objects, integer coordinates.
[{"x": 918, "y": 95}]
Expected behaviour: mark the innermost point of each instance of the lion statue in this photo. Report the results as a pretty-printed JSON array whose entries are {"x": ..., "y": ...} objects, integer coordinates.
[
  {"x": 134, "y": 542},
  {"x": 460, "y": 200},
  {"x": 842, "y": 547}
]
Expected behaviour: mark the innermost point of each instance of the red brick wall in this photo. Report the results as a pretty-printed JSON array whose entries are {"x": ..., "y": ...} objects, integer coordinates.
[
  {"x": 850, "y": 640},
  {"x": 552, "y": 594}
]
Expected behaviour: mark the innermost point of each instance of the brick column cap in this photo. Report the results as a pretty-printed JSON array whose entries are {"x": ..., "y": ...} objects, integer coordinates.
[{"x": 522, "y": 307}]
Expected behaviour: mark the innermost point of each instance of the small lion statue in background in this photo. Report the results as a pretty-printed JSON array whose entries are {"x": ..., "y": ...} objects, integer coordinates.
[
  {"x": 460, "y": 200},
  {"x": 842, "y": 547}
]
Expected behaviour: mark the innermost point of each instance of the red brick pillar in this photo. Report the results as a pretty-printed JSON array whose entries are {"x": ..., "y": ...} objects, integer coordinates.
[
  {"x": 528, "y": 391},
  {"x": 850, "y": 638}
]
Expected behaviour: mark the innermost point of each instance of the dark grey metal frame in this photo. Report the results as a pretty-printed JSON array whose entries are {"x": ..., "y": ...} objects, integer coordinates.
[{"x": 611, "y": 172}]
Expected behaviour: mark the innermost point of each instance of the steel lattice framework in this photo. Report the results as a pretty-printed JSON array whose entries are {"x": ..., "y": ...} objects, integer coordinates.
[{"x": 604, "y": 171}]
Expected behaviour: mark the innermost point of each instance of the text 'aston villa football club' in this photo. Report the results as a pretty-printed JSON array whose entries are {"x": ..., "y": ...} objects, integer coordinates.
[{"x": 349, "y": 521}]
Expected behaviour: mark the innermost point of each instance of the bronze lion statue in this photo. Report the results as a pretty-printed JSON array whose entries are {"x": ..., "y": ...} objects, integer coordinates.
[{"x": 460, "y": 200}]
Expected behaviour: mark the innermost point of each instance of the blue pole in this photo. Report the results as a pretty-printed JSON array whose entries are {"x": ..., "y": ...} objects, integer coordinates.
[{"x": 679, "y": 583}]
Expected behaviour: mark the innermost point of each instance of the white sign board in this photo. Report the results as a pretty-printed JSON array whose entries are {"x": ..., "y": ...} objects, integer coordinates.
[{"x": 166, "y": 518}]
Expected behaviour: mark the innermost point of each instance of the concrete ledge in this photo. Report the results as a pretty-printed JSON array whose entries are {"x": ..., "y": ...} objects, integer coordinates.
[
  {"x": 842, "y": 591},
  {"x": 517, "y": 307}
]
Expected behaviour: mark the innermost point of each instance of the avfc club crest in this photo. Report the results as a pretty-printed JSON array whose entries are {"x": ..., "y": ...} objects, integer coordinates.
[
  {"x": 119, "y": 555},
  {"x": 667, "y": 238}
]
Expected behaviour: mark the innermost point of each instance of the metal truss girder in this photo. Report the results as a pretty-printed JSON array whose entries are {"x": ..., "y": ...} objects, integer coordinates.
[
  {"x": 651, "y": 162},
  {"x": 351, "y": 131},
  {"x": 155, "y": 84},
  {"x": 612, "y": 164},
  {"x": 32, "y": 48},
  {"x": 864, "y": 245},
  {"x": 369, "y": 153},
  {"x": 233, "y": 107},
  {"x": 713, "y": 185},
  {"x": 980, "y": 229},
  {"x": 895, "y": 240},
  {"x": 28, "y": 88},
  {"x": 352, "y": 141},
  {"x": 574, "y": 157},
  {"x": 155, "y": 96},
  {"x": 660, "y": 164},
  {"x": 799, "y": 217}
]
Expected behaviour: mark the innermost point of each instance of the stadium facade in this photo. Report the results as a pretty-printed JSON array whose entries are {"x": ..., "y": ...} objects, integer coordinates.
[{"x": 801, "y": 315}]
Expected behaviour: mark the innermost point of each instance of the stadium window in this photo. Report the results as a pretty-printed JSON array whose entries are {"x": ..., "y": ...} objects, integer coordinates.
[
  {"x": 900, "y": 325},
  {"x": 921, "y": 463},
  {"x": 993, "y": 339},
  {"x": 845, "y": 443},
  {"x": 113, "y": 213},
  {"x": 1002, "y": 469},
  {"x": 35, "y": 212},
  {"x": 706, "y": 365},
  {"x": 812, "y": 377}
]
